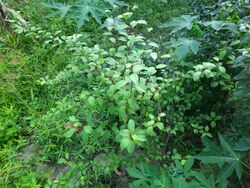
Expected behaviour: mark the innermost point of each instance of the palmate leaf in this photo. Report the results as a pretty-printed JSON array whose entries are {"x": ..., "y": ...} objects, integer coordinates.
[
  {"x": 147, "y": 175},
  {"x": 81, "y": 11},
  {"x": 185, "y": 21},
  {"x": 62, "y": 9},
  {"x": 223, "y": 155},
  {"x": 87, "y": 8},
  {"x": 220, "y": 25},
  {"x": 181, "y": 182},
  {"x": 242, "y": 145},
  {"x": 184, "y": 46}
]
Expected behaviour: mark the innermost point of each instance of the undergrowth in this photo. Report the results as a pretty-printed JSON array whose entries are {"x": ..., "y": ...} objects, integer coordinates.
[{"x": 125, "y": 94}]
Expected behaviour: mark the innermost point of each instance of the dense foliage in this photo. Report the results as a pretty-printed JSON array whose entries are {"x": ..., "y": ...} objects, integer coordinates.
[{"x": 130, "y": 98}]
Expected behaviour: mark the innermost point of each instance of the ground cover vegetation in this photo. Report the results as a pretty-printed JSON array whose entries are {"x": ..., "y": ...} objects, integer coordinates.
[{"x": 151, "y": 93}]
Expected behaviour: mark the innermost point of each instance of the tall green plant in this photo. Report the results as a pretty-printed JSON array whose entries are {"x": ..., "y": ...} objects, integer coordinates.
[{"x": 81, "y": 11}]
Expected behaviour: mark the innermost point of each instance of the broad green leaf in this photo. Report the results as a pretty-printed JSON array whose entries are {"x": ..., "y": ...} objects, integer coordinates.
[
  {"x": 150, "y": 131},
  {"x": 153, "y": 44},
  {"x": 125, "y": 133},
  {"x": 131, "y": 147},
  {"x": 151, "y": 70},
  {"x": 160, "y": 125},
  {"x": 210, "y": 158},
  {"x": 222, "y": 69},
  {"x": 220, "y": 25},
  {"x": 180, "y": 182},
  {"x": 165, "y": 56},
  {"x": 81, "y": 11},
  {"x": 196, "y": 76},
  {"x": 133, "y": 172},
  {"x": 239, "y": 170},
  {"x": 135, "y": 23},
  {"x": 123, "y": 113},
  {"x": 115, "y": 23},
  {"x": 138, "y": 68},
  {"x": 131, "y": 124},
  {"x": 161, "y": 66},
  {"x": 134, "y": 78},
  {"x": 154, "y": 56},
  {"x": 182, "y": 51},
  {"x": 242, "y": 145},
  {"x": 141, "y": 87},
  {"x": 185, "y": 46},
  {"x": 84, "y": 137},
  {"x": 225, "y": 145},
  {"x": 133, "y": 103},
  {"x": 120, "y": 84},
  {"x": 208, "y": 183},
  {"x": 61, "y": 161},
  {"x": 69, "y": 133},
  {"x": 124, "y": 142},
  {"x": 188, "y": 164},
  {"x": 62, "y": 9},
  {"x": 140, "y": 138},
  {"x": 185, "y": 21},
  {"x": 223, "y": 155},
  {"x": 226, "y": 170},
  {"x": 91, "y": 101},
  {"x": 88, "y": 129}
]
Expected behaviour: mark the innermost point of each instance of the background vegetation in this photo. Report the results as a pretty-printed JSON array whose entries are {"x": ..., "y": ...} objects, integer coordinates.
[{"x": 151, "y": 93}]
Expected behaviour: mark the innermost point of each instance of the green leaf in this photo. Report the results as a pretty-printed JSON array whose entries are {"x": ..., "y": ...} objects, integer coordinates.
[
  {"x": 91, "y": 101},
  {"x": 134, "y": 78},
  {"x": 150, "y": 131},
  {"x": 61, "y": 161},
  {"x": 131, "y": 147},
  {"x": 188, "y": 164},
  {"x": 133, "y": 172},
  {"x": 115, "y": 23},
  {"x": 165, "y": 56},
  {"x": 185, "y": 21},
  {"x": 226, "y": 171},
  {"x": 220, "y": 25},
  {"x": 141, "y": 87},
  {"x": 154, "y": 56},
  {"x": 223, "y": 155},
  {"x": 62, "y": 9},
  {"x": 135, "y": 23},
  {"x": 125, "y": 142},
  {"x": 151, "y": 70},
  {"x": 131, "y": 124},
  {"x": 69, "y": 133},
  {"x": 225, "y": 145},
  {"x": 180, "y": 182},
  {"x": 185, "y": 46},
  {"x": 84, "y": 137},
  {"x": 88, "y": 129},
  {"x": 161, "y": 66},
  {"x": 140, "y": 138},
  {"x": 196, "y": 76},
  {"x": 160, "y": 125},
  {"x": 120, "y": 84},
  {"x": 87, "y": 8},
  {"x": 81, "y": 11},
  {"x": 138, "y": 68},
  {"x": 242, "y": 145},
  {"x": 239, "y": 170},
  {"x": 222, "y": 69}
]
